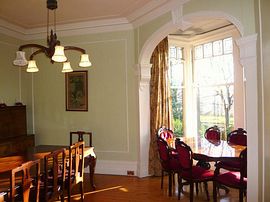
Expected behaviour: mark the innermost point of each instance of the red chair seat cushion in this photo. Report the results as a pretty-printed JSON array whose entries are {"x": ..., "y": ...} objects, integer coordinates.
[
  {"x": 198, "y": 173},
  {"x": 231, "y": 179}
]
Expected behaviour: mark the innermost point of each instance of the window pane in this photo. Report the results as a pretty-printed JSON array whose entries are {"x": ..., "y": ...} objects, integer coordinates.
[
  {"x": 172, "y": 52},
  {"x": 216, "y": 107},
  {"x": 217, "y": 47},
  {"x": 176, "y": 76},
  {"x": 179, "y": 53},
  {"x": 177, "y": 108},
  {"x": 214, "y": 76},
  {"x": 220, "y": 67},
  {"x": 207, "y": 49},
  {"x": 227, "y": 43},
  {"x": 198, "y": 52}
]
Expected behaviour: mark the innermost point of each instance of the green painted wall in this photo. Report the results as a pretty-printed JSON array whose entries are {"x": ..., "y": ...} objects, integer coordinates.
[
  {"x": 9, "y": 74},
  {"x": 111, "y": 96},
  {"x": 112, "y": 92},
  {"x": 240, "y": 9}
]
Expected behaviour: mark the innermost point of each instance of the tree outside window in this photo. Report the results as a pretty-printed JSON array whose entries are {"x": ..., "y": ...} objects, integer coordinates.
[{"x": 214, "y": 79}]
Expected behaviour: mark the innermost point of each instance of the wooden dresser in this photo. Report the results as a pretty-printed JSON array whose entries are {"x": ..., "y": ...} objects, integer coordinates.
[{"x": 13, "y": 130}]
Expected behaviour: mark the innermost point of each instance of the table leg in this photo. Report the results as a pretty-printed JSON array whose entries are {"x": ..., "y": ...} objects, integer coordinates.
[{"x": 92, "y": 166}]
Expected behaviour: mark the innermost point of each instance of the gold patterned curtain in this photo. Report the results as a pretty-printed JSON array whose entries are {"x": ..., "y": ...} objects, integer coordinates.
[{"x": 160, "y": 101}]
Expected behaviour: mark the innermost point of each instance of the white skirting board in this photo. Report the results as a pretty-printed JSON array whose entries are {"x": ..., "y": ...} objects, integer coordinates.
[{"x": 115, "y": 167}]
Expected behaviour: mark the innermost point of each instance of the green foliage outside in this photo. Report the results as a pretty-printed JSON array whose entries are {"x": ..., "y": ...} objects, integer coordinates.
[{"x": 177, "y": 107}]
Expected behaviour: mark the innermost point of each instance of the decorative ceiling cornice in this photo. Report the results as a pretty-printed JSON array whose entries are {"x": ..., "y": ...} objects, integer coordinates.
[{"x": 139, "y": 17}]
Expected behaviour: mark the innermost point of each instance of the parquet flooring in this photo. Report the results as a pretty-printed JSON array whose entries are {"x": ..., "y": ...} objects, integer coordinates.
[{"x": 112, "y": 188}]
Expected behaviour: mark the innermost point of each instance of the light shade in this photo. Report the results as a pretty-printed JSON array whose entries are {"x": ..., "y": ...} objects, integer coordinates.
[
  {"x": 32, "y": 66},
  {"x": 67, "y": 67},
  {"x": 59, "y": 55},
  {"x": 85, "y": 62},
  {"x": 20, "y": 59}
]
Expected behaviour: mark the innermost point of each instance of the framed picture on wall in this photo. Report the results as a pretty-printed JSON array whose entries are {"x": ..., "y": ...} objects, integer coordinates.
[{"x": 76, "y": 91}]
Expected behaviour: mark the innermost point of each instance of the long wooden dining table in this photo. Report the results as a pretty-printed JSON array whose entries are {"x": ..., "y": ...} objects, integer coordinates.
[{"x": 38, "y": 152}]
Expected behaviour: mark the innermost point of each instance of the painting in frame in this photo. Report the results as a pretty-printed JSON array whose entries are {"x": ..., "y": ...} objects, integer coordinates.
[{"x": 76, "y": 91}]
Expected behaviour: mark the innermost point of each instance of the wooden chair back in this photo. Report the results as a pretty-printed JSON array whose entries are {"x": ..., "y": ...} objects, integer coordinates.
[
  {"x": 76, "y": 167},
  {"x": 89, "y": 161},
  {"x": 29, "y": 179},
  {"x": 81, "y": 136},
  {"x": 54, "y": 175}
]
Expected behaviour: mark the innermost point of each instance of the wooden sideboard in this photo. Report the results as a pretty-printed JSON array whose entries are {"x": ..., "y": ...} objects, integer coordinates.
[{"x": 13, "y": 130}]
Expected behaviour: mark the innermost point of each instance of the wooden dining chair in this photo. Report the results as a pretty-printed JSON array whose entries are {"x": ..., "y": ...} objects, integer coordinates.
[
  {"x": 189, "y": 172},
  {"x": 232, "y": 179},
  {"x": 25, "y": 182},
  {"x": 75, "y": 168},
  {"x": 89, "y": 161},
  {"x": 53, "y": 178}
]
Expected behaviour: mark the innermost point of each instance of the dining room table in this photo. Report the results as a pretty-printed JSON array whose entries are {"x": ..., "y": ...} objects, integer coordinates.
[{"x": 205, "y": 151}]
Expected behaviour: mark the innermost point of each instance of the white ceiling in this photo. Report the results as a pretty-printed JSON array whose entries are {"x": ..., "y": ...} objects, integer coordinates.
[{"x": 33, "y": 13}]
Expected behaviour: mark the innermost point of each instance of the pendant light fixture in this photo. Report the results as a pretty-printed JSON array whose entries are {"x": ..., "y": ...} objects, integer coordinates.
[{"x": 54, "y": 51}]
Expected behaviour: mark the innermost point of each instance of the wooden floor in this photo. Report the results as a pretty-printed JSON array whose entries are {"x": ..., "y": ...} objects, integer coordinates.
[{"x": 111, "y": 188}]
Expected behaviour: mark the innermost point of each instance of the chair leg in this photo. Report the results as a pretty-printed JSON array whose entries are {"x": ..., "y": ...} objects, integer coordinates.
[
  {"x": 206, "y": 190},
  {"x": 197, "y": 187},
  {"x": 162, "y": 175},
  {"x": 82, "y": 191},
  {"x": 173, "y": 180},
  {"x": 191, "y": 191},
  {"x": 241, "y": 195},
  {"x": 92, "y": 166},
  {"x": 62, "y": 198},
  {"x": 180, "y": 186},
  {"x": 215, "y": 191},
  {"x": 170, "y": 184},
  {"x": 69, "y": 193}
]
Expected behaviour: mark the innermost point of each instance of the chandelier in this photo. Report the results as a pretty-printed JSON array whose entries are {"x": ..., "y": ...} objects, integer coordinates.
[{"x": 54, "y": 51}]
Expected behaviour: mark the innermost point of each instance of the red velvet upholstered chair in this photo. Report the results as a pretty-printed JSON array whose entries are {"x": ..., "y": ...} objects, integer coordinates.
[
  {"x": 165, "y": 133},
  {"x": 232, "y": 179},
  {"x": 212, "y": 134},
  {"x": 237, "y": 137},
  {"x": 168, "y": 162},
  {"x": 189, "y": 172}
]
